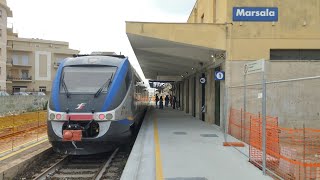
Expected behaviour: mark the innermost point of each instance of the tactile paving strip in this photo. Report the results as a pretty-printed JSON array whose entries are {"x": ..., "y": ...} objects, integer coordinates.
[
  {"x": 180, "y": 133},
  {"x": 209, "y": 135},
  {"x": 187, "y": 178}
]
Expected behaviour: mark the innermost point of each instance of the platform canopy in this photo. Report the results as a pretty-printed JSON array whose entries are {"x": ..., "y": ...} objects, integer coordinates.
[{"x": 170, "y": 51}]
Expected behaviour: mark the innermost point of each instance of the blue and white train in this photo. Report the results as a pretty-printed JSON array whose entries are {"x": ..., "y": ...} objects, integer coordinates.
[{"x": 96, "y": 104}]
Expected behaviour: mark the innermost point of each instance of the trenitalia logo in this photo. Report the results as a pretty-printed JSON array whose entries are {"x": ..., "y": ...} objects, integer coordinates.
[
  {"x": 255, "y": 14},
  {"x": 81, "y": 106}
]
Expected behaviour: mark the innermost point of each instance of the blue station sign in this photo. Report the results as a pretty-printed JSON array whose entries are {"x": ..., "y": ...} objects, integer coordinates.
[
  {"x": 219, "y": 75},
  {"x": 255, "y": 14}
]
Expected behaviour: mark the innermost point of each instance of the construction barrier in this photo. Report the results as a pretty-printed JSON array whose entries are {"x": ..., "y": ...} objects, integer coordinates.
[
  {"x": 290, "y": 153},
  {"x": 239, "y": 124}
]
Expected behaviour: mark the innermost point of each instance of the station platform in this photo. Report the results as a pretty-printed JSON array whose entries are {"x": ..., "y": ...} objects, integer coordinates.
[{"x": 172, "y": 145}]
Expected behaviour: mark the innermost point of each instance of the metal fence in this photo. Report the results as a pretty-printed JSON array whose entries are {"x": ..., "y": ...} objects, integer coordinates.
[
  {"x": 278, "y": 119},
  {"x": 18, "y": 131}
]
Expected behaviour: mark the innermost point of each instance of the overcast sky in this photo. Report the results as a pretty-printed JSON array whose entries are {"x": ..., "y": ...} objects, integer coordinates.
[{"x": 92, "y": 25}]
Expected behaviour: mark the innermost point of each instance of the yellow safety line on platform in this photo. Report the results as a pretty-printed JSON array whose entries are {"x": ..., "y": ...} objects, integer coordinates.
[
  {"x": 23, "y": 149},
  {"x": 42, "y": 137},
  {"x": 159, "y": 173}
]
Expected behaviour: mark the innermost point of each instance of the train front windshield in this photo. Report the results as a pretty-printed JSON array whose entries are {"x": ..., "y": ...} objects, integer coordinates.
[{"x": 86, "y": 79}]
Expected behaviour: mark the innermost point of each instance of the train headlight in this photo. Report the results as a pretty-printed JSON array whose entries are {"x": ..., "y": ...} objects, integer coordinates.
[
  {"x": 109, "y": 116},
  {"x": 101, "y": 116},
  {"x": 104, "y": 116},
  {"x": 58, "y": 116},
  {"x": 52, "y": 116}
]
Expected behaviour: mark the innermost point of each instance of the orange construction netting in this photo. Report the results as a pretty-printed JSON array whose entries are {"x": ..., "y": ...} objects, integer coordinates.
[{"x": 290, "y": 153}]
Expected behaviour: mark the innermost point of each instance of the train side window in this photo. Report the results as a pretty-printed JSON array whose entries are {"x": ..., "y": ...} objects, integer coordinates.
[
  {"x": 128, "y": 79},
  {"x": 122, "y": 90}
]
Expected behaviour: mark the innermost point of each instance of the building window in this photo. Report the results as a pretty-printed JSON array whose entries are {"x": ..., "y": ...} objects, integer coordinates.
[
  {"x": 25, "y": 60},
  {"x": 0, "y": 70},
  {"x": 19, "y": 88},
  {"x": 42, "y": 88},
  {"x": 0, "y": 13},
  {"x": 0, "y": 32},
  {"x": 295, "y": 54},
  {"x": 25, "y": 74},
  {"x": 15, "y": 59}
]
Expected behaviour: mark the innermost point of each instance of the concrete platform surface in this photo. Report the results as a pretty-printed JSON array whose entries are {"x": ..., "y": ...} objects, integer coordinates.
[
  {"x": 172, "y": 145},
  {"x": 16, "y": 162}
]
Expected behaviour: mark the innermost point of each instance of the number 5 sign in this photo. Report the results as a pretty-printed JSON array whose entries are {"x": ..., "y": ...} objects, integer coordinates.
[{"x": 219, "y": 75}]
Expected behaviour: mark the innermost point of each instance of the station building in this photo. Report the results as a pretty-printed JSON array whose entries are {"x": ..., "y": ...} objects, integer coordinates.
[
  {"x": 222, "y": 35},
  {"x": 27, "y": 64}
]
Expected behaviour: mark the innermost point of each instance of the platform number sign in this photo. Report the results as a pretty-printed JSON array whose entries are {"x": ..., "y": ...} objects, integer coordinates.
[
  {"x": 203, "y": 80},
  {"x": 219, "y": 75}
]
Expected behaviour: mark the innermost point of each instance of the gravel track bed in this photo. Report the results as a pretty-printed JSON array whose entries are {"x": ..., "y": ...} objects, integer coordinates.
[{"x": 39, "y": 166}]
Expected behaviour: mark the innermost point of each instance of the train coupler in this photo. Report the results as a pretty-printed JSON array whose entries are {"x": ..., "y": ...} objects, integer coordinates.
[{"x": 72, "y": 135}]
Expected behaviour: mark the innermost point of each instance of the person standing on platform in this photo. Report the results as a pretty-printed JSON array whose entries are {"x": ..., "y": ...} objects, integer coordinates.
[
  {"x": 157, "y": 100},
  {"x": 174, "y": 102},
  {"x": 161, "y": 102},
  {"x": 178, "y": 102},
  {"x": 170, "y": 100},
  {"x": 167, "y": 100}
]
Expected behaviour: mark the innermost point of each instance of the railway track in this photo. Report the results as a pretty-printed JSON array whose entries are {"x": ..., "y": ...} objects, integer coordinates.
[{"x": 91, "y": 167}]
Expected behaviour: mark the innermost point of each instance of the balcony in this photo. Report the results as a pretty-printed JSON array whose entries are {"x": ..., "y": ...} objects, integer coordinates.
[
  {"x": 19, "y": 79},
  {"x": 9, "y": 63},
  {"x": 9, "y": 46},
  {"x": 21, "y": 65},
  {"x": 18, "y": 47}
]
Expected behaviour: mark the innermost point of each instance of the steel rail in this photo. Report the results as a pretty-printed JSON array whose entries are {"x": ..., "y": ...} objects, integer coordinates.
[
  {"x": 105, "y": 166},
  {"x": 51, "y": 170}
]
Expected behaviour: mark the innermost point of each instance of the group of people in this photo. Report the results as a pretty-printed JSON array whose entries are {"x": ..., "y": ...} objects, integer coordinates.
[{"x": 172, "y": 100}]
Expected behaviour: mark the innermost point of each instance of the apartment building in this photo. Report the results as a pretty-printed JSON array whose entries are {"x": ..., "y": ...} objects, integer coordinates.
[
  {"x": 27, "y": 64},
  {"x": 5, "y": 12},
  {"x": 32, "y": 63}
]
